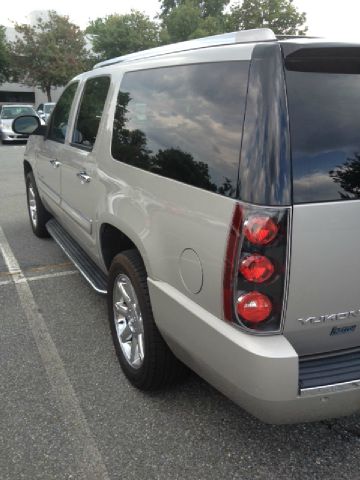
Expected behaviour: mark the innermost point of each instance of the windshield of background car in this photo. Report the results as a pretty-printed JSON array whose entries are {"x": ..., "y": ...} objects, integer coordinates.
[
  {"x": 323, "y": 88},
  {"x": 48, "y": 108},
  {"x": 13, "y": 112}
]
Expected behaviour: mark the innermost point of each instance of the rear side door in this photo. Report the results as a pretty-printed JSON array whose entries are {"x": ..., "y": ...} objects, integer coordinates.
[
  {"x": 79, "y": 183},
  {"x": 48, "y": 159}
]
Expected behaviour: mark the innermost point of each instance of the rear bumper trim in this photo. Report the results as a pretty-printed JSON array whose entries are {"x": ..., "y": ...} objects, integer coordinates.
[{"x": 325, "y": 389}]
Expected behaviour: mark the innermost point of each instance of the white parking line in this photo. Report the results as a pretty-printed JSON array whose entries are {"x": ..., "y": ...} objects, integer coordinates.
[
  {"x": 85, "y": 452},
  {"x": 44, "y": 276}
]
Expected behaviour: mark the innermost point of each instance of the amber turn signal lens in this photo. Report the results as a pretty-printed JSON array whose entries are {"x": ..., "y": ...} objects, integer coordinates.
[
  {"x": 254, "y": 307},
  {"x": 260, "y": 230},
  {"x": 256, "y": 268}
]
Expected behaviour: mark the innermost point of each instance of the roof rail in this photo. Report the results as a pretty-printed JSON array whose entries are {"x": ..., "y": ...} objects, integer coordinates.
[
  {"x": 295, "y": 37},
  {"x": 243, "y": 36}
]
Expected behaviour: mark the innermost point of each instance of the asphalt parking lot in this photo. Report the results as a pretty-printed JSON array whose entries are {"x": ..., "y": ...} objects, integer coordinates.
[{"x": 67, "y": 412}]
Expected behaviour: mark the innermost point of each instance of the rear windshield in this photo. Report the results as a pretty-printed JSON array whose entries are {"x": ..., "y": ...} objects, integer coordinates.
[{"x": 324, "y": 110}]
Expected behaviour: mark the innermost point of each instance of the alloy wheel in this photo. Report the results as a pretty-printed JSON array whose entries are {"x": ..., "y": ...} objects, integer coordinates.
[
  {"x": 32, "y": 205},
  {"x": 128, "y": 321}
]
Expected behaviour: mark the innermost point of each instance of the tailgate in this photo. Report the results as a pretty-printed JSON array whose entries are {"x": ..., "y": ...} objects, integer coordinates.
[
  {"x": 323, "y": 88},
  {"x": 323, "y": 312}
]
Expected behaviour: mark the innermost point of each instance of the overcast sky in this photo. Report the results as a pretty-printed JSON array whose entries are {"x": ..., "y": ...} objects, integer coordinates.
[{"x": 324, "y": 17}]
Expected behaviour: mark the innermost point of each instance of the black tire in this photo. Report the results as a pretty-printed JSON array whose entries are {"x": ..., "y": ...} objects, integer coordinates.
[
  {"x": 38, "y": 227},
  {"x": 159, "y": 366}
]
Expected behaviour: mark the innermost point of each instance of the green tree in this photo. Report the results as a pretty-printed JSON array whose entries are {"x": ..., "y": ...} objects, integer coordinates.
[
  {"x": 348, "y": 177},
  {"x": 117, "y": 35},
  {"x": 181, "y": 23},
  {"x": 280, "y": 15},
  {"x": 207, "y": 8},
  {"x": 48, "y": 54},
  {"x": 187, "y": 19},
  {"x": 4, "y": 56}
]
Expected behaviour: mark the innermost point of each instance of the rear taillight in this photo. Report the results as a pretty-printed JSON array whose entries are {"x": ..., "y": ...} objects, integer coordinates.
[
  {"x": 254, "y": 307},
  {"x": 260, "y": 229},
  {"x": 256, "y": 267}
]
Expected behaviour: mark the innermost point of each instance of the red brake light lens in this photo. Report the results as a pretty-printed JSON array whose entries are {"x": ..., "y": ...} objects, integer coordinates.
[
  {"x": 260, "y": 230},
  {"x": 254, "y": 307},
  {"x": 256, "y": 268}
]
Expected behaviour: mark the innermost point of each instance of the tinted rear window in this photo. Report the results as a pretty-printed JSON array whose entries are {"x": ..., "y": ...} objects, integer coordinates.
[
  {"x": 325, "y": 133},
  {"x": 184, "y": 123}
]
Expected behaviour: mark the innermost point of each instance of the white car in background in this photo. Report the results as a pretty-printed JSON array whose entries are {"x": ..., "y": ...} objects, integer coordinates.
[
  {"x": 44, "y": 110},
  {"x": 7, "y": 115}
]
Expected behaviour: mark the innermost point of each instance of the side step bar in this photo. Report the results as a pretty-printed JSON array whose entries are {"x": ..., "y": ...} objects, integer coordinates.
[{"x": 90, "y": 271}]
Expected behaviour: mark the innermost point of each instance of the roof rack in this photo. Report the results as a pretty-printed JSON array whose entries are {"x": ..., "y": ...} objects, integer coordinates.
[{"x": 243, "y": 36}]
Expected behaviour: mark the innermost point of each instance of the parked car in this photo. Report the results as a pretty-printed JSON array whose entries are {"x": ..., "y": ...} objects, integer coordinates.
[
  {"x": 212, "y": 190},
  {"x": 44, "y": 110},
  {"x": 7, "y": 115}
]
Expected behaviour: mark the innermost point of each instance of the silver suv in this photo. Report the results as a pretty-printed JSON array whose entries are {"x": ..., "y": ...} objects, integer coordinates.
[{"x": 211, "y": 189}]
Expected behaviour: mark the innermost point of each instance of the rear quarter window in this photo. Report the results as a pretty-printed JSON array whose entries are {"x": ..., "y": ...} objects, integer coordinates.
[{"x": 184, "y": 123}]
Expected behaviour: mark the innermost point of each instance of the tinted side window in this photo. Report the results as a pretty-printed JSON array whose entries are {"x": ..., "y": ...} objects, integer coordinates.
[
  {"x": 60, "y": 117},
  {"x": 184, "y": 122},
  {"x": 90, "y": 111}
]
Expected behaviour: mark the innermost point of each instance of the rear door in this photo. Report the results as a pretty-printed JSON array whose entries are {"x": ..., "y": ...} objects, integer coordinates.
[
  {"x": 323, "y": 85},
  {"x": 48, "y": 160}
]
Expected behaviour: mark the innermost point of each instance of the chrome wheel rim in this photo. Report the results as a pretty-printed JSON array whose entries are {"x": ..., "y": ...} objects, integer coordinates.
[
  {"x": 32, "y": 205},
  {"x": 128, "y": 321}
]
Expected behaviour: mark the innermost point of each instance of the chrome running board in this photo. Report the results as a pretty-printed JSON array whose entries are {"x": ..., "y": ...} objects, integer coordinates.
[{"x": 89, "y": 270}]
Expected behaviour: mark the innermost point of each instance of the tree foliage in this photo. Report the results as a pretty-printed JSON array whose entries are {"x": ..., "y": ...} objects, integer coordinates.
[
  {"x": 206, "y": 8},
  {"x": 117, "y": 35},
  {"x": 347, "y": 176},
  {"x": 181, "y": 20},
  {"x": 187, "y": 19},
  {"x": 48, "y": 54},
  {"x": 181, "y": 23},
  {"x": 280, "y": 15},
  {"x": 4, "y": 56}
]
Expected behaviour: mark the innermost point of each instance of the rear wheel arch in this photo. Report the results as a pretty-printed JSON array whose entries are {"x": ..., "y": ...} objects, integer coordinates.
[{"x": 113, "y": 241}]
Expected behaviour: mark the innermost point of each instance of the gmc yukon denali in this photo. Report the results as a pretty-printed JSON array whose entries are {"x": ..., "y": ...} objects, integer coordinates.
[{"x": 211, "y": 189}]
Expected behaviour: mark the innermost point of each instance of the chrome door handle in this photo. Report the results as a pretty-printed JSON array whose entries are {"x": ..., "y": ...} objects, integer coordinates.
[
  {"x": 84, "y": 177},
  {"x": 54, "y": 163}
]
